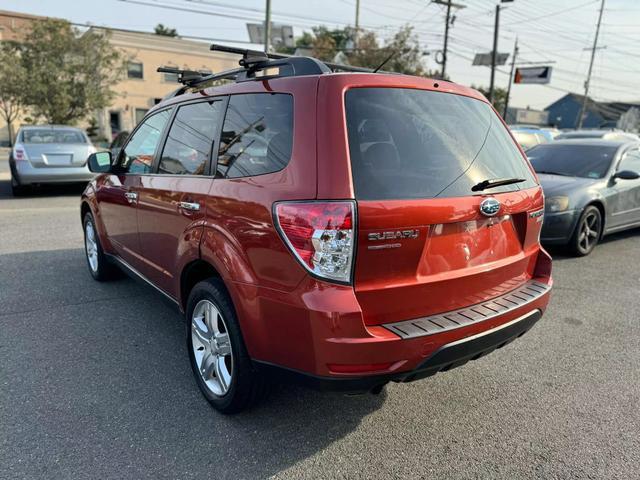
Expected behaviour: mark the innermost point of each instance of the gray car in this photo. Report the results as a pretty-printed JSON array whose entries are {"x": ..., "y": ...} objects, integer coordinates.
[
  {"x": 600, "y": 134},
  {"x": 591, "y": 187},
  {"x": 49, "y": 154}
]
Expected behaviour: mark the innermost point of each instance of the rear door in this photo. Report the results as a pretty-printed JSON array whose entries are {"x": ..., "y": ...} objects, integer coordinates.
[
  {"x": 424, "y": 245},
  {"x": 626, "y": 206},
  {"x": 118, "y": 194},
  {"x": 171, "y": 202}
]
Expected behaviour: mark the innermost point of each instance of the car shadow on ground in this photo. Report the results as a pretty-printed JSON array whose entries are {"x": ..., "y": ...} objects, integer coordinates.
[
  {"x": 43, "y": 190},
  {"x": 560, "y": 253},
  {"x": 117, "y": 374}
]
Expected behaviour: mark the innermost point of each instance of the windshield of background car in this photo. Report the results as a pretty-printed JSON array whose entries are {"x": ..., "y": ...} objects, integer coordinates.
[
  {"x": 52, "y": 136},
  {"x": 408, "y": 143},
  {"x": 588, "y": 161}
]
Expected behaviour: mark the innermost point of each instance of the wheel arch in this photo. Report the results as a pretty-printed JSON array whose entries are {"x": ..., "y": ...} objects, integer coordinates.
[
  {"x": 193, "y": 273},
  {"x": 599, "y": 204}
]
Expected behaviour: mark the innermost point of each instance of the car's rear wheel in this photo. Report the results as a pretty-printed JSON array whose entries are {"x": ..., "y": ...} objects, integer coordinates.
[
  {"x": 18, "y": 190},
  {"x": 99, "y": 267},
  {"x": 219, "y": 360},
  {"x": 588, "y": 232}
]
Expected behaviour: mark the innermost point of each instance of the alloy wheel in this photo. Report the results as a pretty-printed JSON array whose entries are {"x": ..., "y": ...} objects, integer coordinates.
[
  {"x": 211, "y": 347},
  {"x": 91, "y": 246},
  {"x": 589, "y": 231}
]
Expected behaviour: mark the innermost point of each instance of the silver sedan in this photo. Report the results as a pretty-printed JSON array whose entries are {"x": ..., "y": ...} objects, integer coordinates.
[{"x": 49, "y": 154}]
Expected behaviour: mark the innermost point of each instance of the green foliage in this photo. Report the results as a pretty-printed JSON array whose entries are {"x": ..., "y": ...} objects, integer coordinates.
[
  {"x": 92, "y": 129},
  {"x": 13, "y": 78},
  {"x": 70, "y": 75},
  {"x": 165, "y": 31},
  {"x": 499, "y": 96},
  {"x": 365, "y": 50}
]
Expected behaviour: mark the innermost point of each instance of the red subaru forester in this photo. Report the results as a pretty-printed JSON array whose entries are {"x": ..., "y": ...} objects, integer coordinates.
[{"x": 343, "y": 229}]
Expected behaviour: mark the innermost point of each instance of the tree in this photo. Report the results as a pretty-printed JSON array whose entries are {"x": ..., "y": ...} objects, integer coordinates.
[
  {"x": 165, "y": 31},
  {"x": 13, "y": 84},
  {"x": 499, "y": 96},
  {"x": 70, "y": 75},
  {"x": 366, "y": 50}
]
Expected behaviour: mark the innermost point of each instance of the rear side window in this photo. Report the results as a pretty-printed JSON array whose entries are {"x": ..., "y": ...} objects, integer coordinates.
[
  {"x": 190, "y": 140},
  {"x": 407, "y": 143},
  {"x": 257, "y": 135}
]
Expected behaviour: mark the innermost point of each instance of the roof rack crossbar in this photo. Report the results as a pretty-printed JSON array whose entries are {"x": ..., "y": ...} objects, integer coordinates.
[
  {"x": 254, "y": 54},
  {"x": 252, "y": 62}
]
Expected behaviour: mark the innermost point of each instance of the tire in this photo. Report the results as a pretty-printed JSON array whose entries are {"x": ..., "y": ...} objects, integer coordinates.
[
  {"x": 18, "y": 190},
  {"x": 99, "y": 266},
  {"x": 588, "y": 232},
  {"x": 219, "y": 359}
]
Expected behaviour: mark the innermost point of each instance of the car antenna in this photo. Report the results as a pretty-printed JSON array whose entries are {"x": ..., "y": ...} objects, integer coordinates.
[{"x": 391, "y": 55}]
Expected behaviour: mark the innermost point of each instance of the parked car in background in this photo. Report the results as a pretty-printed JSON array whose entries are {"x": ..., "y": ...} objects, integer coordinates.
[
  {"x": 530, "y": 137},
  {"x": 49, "y": 154},
  {"x": 601, "y": 134},
  {"x": 591, "y": 187},
  {"x": 340, "y": 261}
]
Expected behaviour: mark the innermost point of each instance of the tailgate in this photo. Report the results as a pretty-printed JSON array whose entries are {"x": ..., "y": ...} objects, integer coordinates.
[{"x": 422, "y": 257}]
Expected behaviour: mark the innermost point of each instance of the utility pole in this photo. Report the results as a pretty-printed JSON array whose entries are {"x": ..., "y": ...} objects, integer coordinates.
[
  {"x": 494, "y": 53},
  {"x": 449, "y": 21},
  {"x": 357, "y": 16},
  {"x": 513, "y": 67},
  {"x": 446, "y": 41},
  {"x": 593, "y": 54},
  {"x": 267, "y": 27}
]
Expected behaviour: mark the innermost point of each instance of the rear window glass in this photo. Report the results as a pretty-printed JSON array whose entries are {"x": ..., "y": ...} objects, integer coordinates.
[
  {"x": 257, "y": 135},
  {"x": 52, "y": 136},
  {"x": 588, "y": 161},
  {"x": 408, "y": 143}
]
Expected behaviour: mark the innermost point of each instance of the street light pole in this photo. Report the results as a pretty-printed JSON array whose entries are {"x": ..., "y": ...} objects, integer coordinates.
[
  {"x": 588, "y": 81},
  {"x": 494, "y": 53},
  {"x": 267, "y": 27}
]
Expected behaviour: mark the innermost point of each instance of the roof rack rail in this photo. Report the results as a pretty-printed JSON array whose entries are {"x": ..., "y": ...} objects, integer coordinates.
[{"x": 254, "y": 61}]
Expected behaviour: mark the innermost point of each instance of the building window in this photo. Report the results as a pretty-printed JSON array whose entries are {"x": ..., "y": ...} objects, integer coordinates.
[
  {"x": 140, "y": 113},
  {"x": 170, "y": 77},
  {"x": 134, "y": 70}
]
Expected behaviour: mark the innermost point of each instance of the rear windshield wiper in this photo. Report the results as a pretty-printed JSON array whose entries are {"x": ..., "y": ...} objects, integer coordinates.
[{"x": 495, "y": 182}]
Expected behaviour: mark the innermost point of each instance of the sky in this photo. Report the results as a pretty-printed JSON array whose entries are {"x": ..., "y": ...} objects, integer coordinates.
[{"x": 559, "y": 33}]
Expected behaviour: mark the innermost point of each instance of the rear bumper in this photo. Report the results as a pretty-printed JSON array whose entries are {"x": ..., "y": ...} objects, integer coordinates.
[
  {"x": 26, "y": 174},
  {"x": 448, "y": 356},
  {"x": 316, "y": 334},
  {"x": 558, "y": 228}
]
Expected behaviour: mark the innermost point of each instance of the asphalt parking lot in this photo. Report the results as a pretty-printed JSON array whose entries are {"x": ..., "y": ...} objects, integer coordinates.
[{"x": 95, "y": 382}]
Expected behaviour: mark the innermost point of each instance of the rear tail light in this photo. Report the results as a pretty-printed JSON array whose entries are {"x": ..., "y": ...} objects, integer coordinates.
[
  {"x": 321, "y": 236},
  {"x": 19, "y": 153}
]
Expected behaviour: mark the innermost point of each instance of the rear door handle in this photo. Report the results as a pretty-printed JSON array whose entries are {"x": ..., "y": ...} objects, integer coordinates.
[
  {"x": 191, "y": 206},
  {"x": 131, "y": 196}
]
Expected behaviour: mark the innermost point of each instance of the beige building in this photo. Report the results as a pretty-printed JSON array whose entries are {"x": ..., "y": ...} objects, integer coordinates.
[{"x": 142, "y": 86}]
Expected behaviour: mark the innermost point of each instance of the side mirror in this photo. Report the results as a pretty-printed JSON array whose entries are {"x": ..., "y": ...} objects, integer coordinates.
[
  {"x": 99, "y": 162},
  {"x": 626, "y": 175}
]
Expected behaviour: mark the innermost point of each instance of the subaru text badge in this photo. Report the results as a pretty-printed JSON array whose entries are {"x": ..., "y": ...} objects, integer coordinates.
[{"x": 489, "y": 207}]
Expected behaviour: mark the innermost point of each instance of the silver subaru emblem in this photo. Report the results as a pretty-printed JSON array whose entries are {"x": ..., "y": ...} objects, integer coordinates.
[{"x": 489, "y": 207}]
